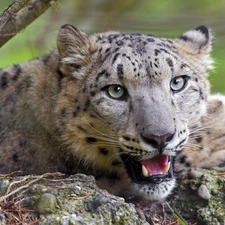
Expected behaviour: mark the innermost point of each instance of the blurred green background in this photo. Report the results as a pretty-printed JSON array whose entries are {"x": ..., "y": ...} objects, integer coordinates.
[{"x": 168, "y": 18}]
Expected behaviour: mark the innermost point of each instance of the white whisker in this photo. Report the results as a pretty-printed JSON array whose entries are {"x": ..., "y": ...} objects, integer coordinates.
[{"x": 112, "y": 136}]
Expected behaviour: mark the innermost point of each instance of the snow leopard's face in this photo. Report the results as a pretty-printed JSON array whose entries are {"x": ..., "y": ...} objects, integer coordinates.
[{"x": 136, "y": 96}]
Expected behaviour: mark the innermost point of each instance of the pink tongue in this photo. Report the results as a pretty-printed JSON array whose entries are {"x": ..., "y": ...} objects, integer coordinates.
[{"x": 156, "y": 164}]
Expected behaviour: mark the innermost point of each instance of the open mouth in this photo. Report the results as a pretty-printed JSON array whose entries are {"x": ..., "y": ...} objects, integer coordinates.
[{"x": 153, "y": 170}]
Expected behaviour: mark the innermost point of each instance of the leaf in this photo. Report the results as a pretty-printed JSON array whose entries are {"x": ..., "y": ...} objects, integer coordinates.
[{"x": 175, "y": 215}]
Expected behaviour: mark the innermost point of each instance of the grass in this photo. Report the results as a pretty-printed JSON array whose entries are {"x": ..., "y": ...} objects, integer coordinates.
[{"x": 176, "y": 216}]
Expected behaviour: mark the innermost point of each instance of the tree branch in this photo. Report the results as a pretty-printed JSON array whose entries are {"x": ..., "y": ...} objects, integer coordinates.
[
  {"x": 16, "y": 19},
  {"x": 12, "y": 9}
]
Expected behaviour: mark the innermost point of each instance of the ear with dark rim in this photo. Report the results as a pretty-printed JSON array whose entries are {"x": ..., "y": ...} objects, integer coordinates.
[
  {"x": 75, "y": 49},
  {"x": 198, "y": 39},
  {"x": 197, "y": 43}
]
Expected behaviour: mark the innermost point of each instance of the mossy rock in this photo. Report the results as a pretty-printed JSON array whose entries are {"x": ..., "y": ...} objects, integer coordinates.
[
  {"x": 201, "y": 197},
  {"x": 56, "y": 200}
]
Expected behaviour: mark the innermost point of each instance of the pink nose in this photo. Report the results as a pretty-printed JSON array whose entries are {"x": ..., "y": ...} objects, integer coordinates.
[{"x": 158, "y": 142}]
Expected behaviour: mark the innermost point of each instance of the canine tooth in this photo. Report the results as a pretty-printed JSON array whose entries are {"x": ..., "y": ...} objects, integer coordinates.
[
  {"x": 166, "y": 169},
  {"x": 144, "y": 171}
]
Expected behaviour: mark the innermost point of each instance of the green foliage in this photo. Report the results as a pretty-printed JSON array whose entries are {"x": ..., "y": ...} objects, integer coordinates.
[{"x": 179, "y": 219}]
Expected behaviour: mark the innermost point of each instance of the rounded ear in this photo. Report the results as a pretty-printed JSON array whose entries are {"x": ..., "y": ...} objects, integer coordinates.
[
  {"x": 198, "y": 43},
  {"x": 199, "y": 39},
  {"x": 75, "y": 49},
  {"x": 72, "y": 41}
]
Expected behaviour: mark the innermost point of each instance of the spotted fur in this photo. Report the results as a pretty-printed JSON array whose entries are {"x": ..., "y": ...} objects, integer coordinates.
[
  {"x": 206, "y": 146},
  {"x": 103, "y": 104}
]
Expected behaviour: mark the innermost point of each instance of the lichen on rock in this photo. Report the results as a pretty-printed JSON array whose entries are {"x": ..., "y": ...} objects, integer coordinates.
[
  {"x": 58, "y": 200},
  {"x": 200, "y": 196},
  {"x": 74, "y": 200}
]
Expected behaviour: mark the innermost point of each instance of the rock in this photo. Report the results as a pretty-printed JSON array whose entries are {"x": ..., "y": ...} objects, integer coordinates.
[
  {"x": 3, "y": 186},
  {"x": 73, "y": 200},
  {"x": 2, "y": 218},
  {"x": 46, "y": 203},
  {"x": 203, "y": 192},
  {"x": 193, "y": 174},
  {"x": 77, "y": 200},
  {"x": 208, "y": 205}
]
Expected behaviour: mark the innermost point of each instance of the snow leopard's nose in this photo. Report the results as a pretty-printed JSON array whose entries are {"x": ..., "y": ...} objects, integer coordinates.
[{"x": 158, "y": 142}]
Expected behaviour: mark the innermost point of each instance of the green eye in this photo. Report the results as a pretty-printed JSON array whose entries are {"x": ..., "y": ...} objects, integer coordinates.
[
  {"x": 116, "y": 91},
  {"x": 178, "y": 83}
]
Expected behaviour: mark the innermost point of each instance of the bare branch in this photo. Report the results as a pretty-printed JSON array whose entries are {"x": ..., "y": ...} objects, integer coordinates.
[
  {"x": 12, "y": 9},
  {"x": 18, "y": 21}
]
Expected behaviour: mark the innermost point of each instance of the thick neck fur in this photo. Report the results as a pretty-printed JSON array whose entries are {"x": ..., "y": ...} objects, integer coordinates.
[
  {"x": 41, "y": 80},
  {"x": 28, "y": 96}
]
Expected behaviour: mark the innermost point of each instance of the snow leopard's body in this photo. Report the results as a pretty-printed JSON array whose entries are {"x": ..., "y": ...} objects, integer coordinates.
[{"x": 117, "y": 106}]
